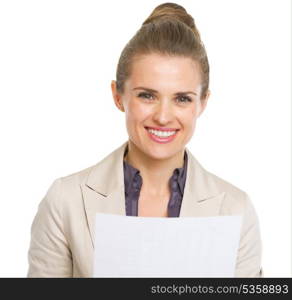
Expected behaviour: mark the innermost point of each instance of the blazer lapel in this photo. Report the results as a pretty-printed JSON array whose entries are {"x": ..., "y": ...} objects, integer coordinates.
[
  {"x": 202, "y": 197},
  {"x": 103, "y": 190}
]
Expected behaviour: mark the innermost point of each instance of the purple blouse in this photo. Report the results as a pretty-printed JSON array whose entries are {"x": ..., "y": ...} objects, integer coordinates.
[{"x": 133, "y": 183}]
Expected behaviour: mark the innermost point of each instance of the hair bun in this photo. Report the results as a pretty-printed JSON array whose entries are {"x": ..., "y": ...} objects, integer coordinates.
[
  {"x": 169, "y": 30},
  {"x": 171, "y": 10}
]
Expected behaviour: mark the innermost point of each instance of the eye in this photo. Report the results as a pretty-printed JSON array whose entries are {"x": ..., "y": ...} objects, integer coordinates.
[
  {"x": 145, "y": 95},
  {"x": 186, "y": 99},
  {"x": 148, "y": 96}
]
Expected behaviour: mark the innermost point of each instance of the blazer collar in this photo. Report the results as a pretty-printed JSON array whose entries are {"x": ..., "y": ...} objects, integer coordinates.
[
  {"x": 111, "y": 168},
  {"x": 108, "y": 174},
  {"x": 103, "y": 189}
]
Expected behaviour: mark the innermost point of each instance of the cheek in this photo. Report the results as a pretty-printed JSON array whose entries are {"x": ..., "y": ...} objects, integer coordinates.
[
  {"x": 137, "y": 112},
  {"x": 188, "y": 117}
]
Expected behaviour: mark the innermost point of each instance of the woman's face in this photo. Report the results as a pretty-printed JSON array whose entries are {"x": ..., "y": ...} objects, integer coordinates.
[{"x": 162, "y": 93}]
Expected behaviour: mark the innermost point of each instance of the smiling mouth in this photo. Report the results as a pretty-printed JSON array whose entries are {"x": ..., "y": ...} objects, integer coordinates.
[{"x": 161, "y": 136}]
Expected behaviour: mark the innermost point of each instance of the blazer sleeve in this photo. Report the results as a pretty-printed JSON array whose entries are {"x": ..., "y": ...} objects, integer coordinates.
[
  {"x": 250, "y": 248},
  {"x": 49, "y": 254}
]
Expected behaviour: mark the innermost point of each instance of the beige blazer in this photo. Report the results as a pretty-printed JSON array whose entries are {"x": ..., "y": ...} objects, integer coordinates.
[{"x": 62, "y": 232}]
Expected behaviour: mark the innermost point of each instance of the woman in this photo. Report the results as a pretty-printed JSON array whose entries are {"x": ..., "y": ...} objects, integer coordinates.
[{"x": 163, "y": 87}]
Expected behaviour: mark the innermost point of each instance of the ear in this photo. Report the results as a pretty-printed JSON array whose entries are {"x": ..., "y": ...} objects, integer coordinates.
[
  {"x": 116, "y": 96},
  {"x": 204, "y": 102}
]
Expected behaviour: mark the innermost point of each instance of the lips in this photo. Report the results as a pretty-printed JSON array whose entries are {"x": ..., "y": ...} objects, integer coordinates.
[{"x": 161, "y": 140}]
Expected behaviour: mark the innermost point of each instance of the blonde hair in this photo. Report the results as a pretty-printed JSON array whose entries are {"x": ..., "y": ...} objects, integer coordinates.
[{"x": 169, "y": 30}]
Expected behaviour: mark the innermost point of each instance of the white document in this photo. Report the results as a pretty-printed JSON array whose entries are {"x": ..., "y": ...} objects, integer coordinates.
[{"x": 130, "y": 246}]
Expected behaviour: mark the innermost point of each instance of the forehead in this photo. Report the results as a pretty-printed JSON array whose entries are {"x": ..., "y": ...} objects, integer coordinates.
[{"x": 164, "y": 71}]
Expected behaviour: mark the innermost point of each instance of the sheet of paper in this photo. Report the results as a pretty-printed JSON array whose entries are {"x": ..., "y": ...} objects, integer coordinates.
[{"x": 127, "y": 246}]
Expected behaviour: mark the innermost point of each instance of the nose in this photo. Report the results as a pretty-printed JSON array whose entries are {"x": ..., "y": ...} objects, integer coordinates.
[{"x": 163, "y": 113}]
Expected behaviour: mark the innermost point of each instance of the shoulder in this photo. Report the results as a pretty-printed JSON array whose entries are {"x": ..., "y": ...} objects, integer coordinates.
[
  {"x": 66, "y": 190},
  {"x": 236, "y": 200},
  {"x": 73, "y": 180},
  {"x": 223, "y": 184}
]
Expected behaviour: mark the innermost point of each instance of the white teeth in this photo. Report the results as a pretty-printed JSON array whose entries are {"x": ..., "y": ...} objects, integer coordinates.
[{"x": 161, "y": 133}]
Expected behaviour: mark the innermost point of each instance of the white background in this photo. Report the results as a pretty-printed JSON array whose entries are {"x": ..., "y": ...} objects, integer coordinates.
[{"x": 57, "y": 116}]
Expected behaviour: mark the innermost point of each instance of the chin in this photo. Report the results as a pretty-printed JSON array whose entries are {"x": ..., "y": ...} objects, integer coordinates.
[
  {"x": 160, "y": 152},
  {"x": 155, "y": 150}
]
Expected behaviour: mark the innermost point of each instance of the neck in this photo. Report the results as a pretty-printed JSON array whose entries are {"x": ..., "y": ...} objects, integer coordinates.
[{"x": 154, "y": 172}]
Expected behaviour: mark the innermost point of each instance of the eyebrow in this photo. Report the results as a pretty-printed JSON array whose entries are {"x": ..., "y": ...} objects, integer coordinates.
[{"x": 155, "y": 92}]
